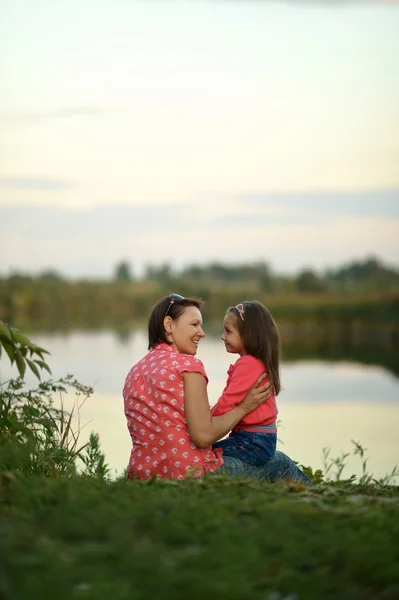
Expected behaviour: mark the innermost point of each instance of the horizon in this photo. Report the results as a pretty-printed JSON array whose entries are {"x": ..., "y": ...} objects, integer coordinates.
[{"x": 325, "y": 272}]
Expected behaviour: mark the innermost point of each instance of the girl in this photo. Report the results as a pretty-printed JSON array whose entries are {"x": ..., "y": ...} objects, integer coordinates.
[{"x": 250, "y": 331}]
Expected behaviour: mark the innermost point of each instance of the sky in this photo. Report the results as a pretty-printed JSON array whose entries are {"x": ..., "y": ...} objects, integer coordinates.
[{"x": 196, "y": 131}]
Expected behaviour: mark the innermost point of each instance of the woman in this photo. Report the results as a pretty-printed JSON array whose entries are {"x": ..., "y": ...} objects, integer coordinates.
[{"x": 167, "y": 407}]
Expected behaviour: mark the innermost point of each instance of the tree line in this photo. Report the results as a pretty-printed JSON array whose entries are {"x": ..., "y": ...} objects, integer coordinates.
[
  {"x": 363, "y": 275},
  {"x": 367, "y": 290}
]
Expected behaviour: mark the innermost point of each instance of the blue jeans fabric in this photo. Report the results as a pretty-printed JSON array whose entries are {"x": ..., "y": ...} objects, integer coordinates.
[
  {"x": 280, "y": 466},
  {"x": 251, "y": 448}
]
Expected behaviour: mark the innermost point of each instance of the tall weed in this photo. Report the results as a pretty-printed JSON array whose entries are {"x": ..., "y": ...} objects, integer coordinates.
[{"x": 35, "y": 435}]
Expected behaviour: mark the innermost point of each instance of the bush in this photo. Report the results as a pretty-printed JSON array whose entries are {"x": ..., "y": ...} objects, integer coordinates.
[
  {"x": 21, "y": 350},
  {"x": 35, "y": 436}
]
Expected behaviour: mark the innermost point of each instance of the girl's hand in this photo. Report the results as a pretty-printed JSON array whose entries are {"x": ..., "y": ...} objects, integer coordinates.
[{"x": 257, "y": 395}]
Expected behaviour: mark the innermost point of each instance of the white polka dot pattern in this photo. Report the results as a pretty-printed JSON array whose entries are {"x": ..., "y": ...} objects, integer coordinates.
[{"x": 156, "y": 418}]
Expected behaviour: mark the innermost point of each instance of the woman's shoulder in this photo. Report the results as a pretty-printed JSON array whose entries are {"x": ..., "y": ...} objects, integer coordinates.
[
  {"x": 166, "y": 351},
  {"x": 189, "y": 359},
  {"x": 187, "y": 363}
]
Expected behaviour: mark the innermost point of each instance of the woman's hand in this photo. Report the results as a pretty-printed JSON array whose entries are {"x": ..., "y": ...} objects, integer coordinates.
[
  {"x": 204, "y": 429},
  {"x": 257, "y": 395}
]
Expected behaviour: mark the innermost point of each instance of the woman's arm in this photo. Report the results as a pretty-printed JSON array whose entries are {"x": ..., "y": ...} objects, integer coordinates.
[{"x": 204, "y": 429}]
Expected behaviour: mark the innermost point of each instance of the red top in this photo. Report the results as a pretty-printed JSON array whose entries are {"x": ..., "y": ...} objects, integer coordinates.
[
  {"x": 241, "y": 377},
  {"x": 154, "y": 407}
]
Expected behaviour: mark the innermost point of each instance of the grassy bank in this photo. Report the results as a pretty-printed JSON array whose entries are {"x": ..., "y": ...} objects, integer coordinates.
[
  {"x": 85, "y": 538},
  {"x": 68, "y": 532}
]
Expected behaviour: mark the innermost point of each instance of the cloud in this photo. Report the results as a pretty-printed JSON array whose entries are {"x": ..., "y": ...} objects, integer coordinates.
[
  {"x": 289, "y": 231},
  {"x": 206, "y": 213},
  {"x": 327, "y": 203},
  {"x": 34, "y": 184},
  {"x": 99, "y": 224},
  {"x": 77, "y": 111},
  {"x": 314, "y": 208},
  {"x": 65, "y": 112}
]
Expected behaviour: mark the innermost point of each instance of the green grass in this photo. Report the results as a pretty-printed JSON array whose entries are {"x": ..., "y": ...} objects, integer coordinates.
[
  {"x": 65, "y": 535},
  {"x": 217, "y": 538}
]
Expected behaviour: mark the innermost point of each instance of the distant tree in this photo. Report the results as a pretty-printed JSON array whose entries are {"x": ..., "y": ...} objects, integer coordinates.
[
  {"x": 163, "y": 273},
  {"x": 193, "y": 271},
  {"x": 51, "y": 274},
  {"x": 16, "y": 277},
  {"x": 221, "y": 272},
  {"x": 123, "y": 271},
  {"x": 309, "y": 281},
  {"x": 150, "y": 272},
  {"x": 266, "y": 278},
  {"x": 370, "y": 272},
  {"x": 249, "y": 272}
]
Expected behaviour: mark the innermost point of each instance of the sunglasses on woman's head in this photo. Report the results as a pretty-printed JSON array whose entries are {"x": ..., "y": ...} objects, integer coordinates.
[
  {"x": 172, "y": 300},
  {"x": 240, "y": 308}
]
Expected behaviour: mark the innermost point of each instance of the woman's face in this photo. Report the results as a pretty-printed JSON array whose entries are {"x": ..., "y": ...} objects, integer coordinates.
[{"x": 186, "y": 330}]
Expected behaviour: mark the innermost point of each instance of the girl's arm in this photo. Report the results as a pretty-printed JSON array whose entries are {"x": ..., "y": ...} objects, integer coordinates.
[
  {"x": 204, "y": 429},
  {"x": 245, "y": 372}
]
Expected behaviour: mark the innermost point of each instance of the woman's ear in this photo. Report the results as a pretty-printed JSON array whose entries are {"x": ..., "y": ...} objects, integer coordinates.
[{"x": 167, "y": 324}]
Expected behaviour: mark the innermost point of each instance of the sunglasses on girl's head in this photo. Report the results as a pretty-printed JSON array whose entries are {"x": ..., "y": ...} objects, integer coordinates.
[
  {"x": 172, "y": 300},
  {"x": 240, "y": 308}
]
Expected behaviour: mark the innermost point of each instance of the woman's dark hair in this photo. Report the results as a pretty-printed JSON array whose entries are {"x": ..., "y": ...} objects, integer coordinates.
[
  {"x": 167, "y": 307},
  {"x": 260, "y": 337}
]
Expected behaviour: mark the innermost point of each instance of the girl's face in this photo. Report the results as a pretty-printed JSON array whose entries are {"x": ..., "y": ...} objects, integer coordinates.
[
  {"x": 186, "y": 330},
  {"x": 231, "y": 337}
]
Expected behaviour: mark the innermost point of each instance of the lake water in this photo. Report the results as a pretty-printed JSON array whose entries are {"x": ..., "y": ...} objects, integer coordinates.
[{"x": 322, "y": 405}]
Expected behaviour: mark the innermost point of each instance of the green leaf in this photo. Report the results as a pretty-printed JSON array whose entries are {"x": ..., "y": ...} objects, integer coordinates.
[
  {"x": 48, "y": 424},
  {"x": 5, "y": 331},
  {"x": 10, "y": 349},
  {"x": 21, "y": 338},
  {"x": 19, "y": 359},
  {"x": 33, "y": 367},
  {"x": 43, "y": 350},
  {"x": 38, "y": 350},
  {"x": 43, "y": 365},
  {"x": 11, "y": 330},
  {"x": 31, "y": 411}
]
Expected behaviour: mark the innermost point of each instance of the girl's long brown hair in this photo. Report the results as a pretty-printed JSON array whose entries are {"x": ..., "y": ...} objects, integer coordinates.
[{"x": 260, "y": 337}]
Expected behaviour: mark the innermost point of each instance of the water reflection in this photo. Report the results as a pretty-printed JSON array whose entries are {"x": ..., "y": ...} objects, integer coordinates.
[
  {"x": 124, "y": 337},
  {"x": 387, "y": 358},
  {"x": 329, "y": 397},
  {"x": 360, "y": 342}
]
